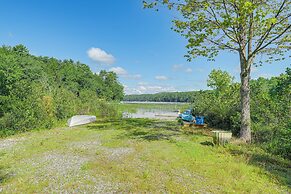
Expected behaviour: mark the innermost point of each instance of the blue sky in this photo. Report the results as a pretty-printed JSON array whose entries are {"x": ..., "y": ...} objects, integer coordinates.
[{"x": 115, "y": 35}]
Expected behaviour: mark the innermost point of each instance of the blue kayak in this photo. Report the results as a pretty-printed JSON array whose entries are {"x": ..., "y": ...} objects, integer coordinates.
[{"x": 187, "y": 116}]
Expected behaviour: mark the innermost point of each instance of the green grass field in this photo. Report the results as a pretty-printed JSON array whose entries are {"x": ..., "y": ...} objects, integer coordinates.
[{"x": 136, "y": 156}]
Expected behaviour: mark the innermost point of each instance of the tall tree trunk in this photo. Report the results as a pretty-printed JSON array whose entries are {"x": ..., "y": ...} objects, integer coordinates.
[{"x": 245, "y": 130}]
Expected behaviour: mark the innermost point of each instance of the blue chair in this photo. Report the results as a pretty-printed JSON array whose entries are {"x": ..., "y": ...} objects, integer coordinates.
[{"x": 199, "y": 120}]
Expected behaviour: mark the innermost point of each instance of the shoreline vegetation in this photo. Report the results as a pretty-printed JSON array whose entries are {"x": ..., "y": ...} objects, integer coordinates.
[{"x": 41, "y": 92}]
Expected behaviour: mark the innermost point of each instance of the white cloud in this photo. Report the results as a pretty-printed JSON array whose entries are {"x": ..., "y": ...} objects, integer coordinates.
[
  {"x": 149, "y": 89},
  {"x": 100, "y": 56},
  {"x": 142, "y": 83},
  {"x": 119, "y": 71},
  {"x": 123, "y": 73},
  {"x": 134, "y": 76},
  {"x": 188, "y": 70},
  {"x": 177, "y": 67},
  {"x": 181, "y": 68},
  {"x": 142, "y": 88},
  {"x": 161, "y": 77}
]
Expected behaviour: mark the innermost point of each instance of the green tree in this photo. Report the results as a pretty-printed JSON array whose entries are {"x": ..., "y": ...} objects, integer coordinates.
[
  {"x": 112, "y": 88},
  {"x": 246, "y": 27},
  {"x": 37, "y": 91},
  {"x": 21, "y": 50},
  {"x": 219, "y": 80},
  {"x": 222, "y": 102}
]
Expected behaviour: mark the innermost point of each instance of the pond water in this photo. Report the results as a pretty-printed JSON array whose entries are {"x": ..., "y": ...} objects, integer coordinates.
[
  {"x": 152, "y": 114},
  {"x": 153, "y": 110}
]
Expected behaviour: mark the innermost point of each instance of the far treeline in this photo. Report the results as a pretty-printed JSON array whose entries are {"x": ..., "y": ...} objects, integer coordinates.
[
  {"x": 163, "y": 97},
  {"x": 270, "y": 107},
  {"x": 37, "y": 92}
]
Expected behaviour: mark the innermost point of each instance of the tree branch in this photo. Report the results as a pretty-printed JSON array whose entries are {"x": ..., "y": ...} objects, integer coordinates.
[
  {"x": 215, "y": 42},
  {"x": 250, "y": 38},
  {"x": 220, "y": 26},
  {"x": 271, "y": 41},
  {"x": 266, "y": 34}
]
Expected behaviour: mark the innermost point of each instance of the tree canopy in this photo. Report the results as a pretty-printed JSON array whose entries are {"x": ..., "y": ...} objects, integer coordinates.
[
  {"x": 246, "y": 27},
  {"x": 211, "y": 26}
]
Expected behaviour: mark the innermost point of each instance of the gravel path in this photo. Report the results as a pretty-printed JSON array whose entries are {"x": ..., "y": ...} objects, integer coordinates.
[
  {"x": 10, "y": 143},
  {"x": 117, "y": 153},
  {"x": 61, "y": 172}
]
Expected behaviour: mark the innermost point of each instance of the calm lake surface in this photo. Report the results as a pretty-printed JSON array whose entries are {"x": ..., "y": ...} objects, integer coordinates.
[
  {"x": 152, "y": 114},
  {"x": 154, "y": 110}
]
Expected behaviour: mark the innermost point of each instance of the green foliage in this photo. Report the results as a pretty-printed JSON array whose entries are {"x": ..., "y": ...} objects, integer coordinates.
[
  {"x": 220, "y": 106},
  {"x": 109, "y": 110},
  {"x": 219, "y": 80},
  {"x": 36, "y": 92},
  {"x": 212, "y": 26},
  {"x": 247, "y": 28},
  {"x": 270, "y": 108},
  {"x": 281, "y": 143},
  {"x": 162, "y": 97}
]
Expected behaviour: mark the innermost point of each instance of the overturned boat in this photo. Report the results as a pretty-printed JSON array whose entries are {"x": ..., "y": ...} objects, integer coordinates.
[{"x": 81, "y": 120}]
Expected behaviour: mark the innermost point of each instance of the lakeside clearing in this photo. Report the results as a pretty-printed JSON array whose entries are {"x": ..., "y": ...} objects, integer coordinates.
[{"x": 137, "y": 156}]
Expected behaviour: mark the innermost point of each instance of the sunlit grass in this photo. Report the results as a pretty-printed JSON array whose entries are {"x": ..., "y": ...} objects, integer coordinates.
[{"x": 137, "y": 156}]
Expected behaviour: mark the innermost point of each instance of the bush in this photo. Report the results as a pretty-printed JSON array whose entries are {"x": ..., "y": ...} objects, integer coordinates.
[
  {"x": 108, "y": 110},
  {"x": 280, "y": 144}
]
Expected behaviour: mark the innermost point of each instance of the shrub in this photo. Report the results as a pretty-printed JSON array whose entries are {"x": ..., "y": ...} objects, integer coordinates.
[{"x": 108, "y": 110}]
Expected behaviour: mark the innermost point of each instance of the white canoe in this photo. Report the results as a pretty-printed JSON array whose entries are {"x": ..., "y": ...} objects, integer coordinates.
[{"x": 81, "y": 120}]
